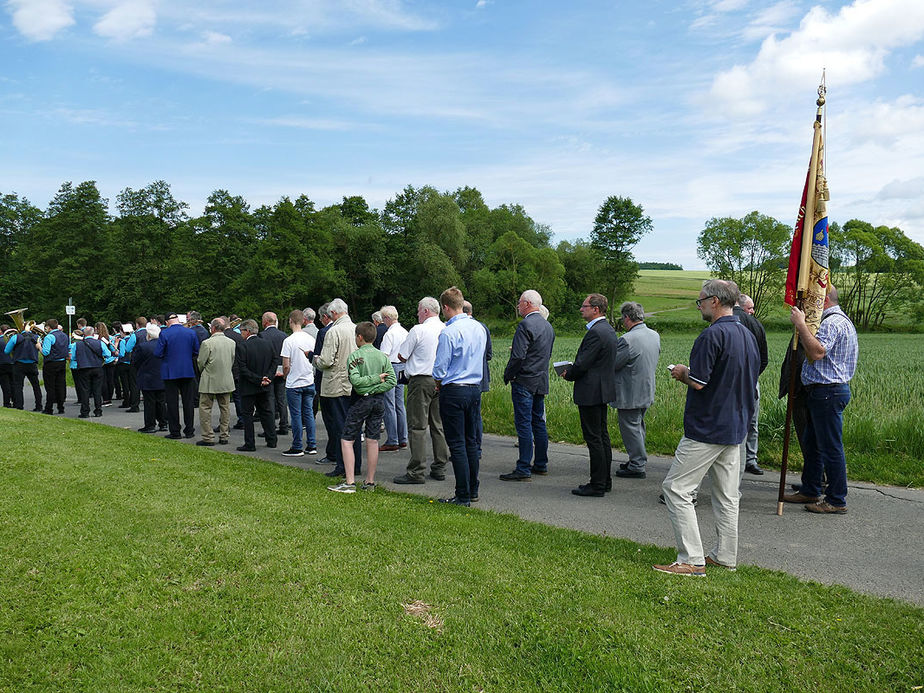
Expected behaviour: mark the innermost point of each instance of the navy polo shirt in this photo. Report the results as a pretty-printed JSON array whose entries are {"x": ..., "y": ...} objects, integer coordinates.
[{"x": 725, "y": 360}]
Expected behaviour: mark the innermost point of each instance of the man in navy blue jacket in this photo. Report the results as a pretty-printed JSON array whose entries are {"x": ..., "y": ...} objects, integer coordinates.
[{"x": 178, "y": 346}]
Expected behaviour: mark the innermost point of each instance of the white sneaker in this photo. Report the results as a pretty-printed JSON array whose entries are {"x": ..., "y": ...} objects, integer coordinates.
[{"x": 343, "y": 487}]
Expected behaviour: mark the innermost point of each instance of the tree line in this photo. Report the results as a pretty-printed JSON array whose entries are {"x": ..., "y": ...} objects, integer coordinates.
[{"x": 151, "y": 256}]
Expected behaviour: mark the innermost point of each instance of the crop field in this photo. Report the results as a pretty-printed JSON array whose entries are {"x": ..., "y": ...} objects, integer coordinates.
[{"x": 883, "y": 430}]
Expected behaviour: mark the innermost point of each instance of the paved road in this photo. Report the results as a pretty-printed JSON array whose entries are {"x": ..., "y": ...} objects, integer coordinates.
[{"x": 877, "y": 548}]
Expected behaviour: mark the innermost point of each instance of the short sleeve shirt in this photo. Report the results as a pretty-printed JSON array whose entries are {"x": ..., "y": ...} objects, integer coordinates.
[
  {"x": 301, "y": 373},
  {"x": 839, "y": 338}
]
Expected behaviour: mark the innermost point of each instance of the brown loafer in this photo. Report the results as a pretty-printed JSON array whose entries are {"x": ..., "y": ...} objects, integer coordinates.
[
  {"x": 799, "y": 497},
  {"x": 824, "y": 507},
  {"x": 387, "y": 448},
  {"x": 711, "y": 561}
]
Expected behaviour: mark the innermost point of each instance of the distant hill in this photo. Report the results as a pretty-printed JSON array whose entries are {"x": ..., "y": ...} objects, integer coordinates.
[{"x": 659, "y": 266}]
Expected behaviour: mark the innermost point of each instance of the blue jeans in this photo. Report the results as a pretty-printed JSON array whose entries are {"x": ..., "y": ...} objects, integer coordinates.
[
  {"x": 529, "y": 419},
  {"x": 395, "y": 416},
  {"x": 822, "y": 443},
  {"x": 460, "y": 410},
  {"x": 301, "y": 414}
]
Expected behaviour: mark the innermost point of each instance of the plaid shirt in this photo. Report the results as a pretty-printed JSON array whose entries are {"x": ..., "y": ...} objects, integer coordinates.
[{"x": 839, "y": 338}]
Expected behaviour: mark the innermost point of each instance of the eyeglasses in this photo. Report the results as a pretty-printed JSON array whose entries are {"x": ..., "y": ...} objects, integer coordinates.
[
  {"x": 586, "y": 305},
  {"x": 699, "y": 301}
]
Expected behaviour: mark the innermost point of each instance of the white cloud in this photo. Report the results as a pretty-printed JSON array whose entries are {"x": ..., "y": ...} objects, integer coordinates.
[
  {"x": 481, "y": 4},
  {"x": 358, "y": 41},
  {"x": 40, "y": 20},
  {"x": 127, "y": 20},
  {"x": 770, "y": 20},
  {"x": 918, "y": 61},
  {"x": 214, "y": 38},
  {"x": 911, "y": 189},
  {"x": 853, "y": 44},
  {"x": 326, "y": 124}
]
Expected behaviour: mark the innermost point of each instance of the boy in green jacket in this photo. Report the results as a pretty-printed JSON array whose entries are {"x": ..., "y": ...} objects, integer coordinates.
[{"x": 371, "y": 375}]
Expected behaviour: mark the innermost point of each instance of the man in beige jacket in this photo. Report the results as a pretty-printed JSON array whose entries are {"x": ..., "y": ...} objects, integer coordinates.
[
  {"x": 339, "y": 343},
  {"x": 216, "y": 382}
]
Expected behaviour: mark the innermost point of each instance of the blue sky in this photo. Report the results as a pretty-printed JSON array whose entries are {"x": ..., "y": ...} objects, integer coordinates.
[{"x": 693, "y": 109}]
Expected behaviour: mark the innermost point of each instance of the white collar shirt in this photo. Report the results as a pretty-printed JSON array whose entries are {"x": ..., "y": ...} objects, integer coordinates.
[
  {"x": 392, "y": 341},
  {"x": 419, "y": 347}
]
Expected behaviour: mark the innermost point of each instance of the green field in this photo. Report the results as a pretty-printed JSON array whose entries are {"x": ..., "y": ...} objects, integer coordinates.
[
  {"x": 883, "y": 435},
  {"x": 132, "y": 563}
]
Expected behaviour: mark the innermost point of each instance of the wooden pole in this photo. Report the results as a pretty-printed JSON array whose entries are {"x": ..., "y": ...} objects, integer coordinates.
[{"x": 787, "y": 432}]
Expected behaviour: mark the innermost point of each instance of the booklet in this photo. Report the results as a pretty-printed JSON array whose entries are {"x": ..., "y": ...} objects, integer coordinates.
[{"x": 561, "y": 366}]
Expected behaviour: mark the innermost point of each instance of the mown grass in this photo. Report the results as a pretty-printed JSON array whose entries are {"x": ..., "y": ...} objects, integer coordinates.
[
  {"x": 131, "y": 563},
  {"x": 883, "y": 433}
]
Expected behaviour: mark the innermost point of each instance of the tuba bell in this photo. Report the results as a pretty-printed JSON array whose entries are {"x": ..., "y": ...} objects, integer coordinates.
[{"x": 18, "y": 319}]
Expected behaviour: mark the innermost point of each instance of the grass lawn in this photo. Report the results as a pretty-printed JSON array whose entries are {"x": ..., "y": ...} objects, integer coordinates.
[
  {"x": 133, "y": 563},
  {"x": 883, "y": 435}
]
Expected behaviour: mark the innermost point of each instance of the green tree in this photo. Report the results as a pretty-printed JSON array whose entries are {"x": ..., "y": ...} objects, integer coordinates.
[
  {"x": 618, "y": 227},
  {"x": 751, "y": 251},
  {"x": 18, "y": 218}
]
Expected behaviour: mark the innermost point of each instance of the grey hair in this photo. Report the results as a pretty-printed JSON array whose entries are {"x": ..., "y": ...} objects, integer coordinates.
[
  {"x": 338, "y": 305},
  {"x": 325, "y": 309},
  {"x": 532, "y": 297},
  {"x": 153, "y": 332},
  {"x": 544, "y": 312},
  {"x": 430, "y": 304},
  {"x": 377, "y": 316},
  {"x": 744, "y": 299},
  {"x": 310, "y": 315},
  {"x": 250, "y": 325},
  {"x": 88, "y": 331},
  {"x": 633, "y": 311},
  {"x": 217, "y": 324},
  {"x": 725, "y": 291},
  {"x": 389, "y": 312}
]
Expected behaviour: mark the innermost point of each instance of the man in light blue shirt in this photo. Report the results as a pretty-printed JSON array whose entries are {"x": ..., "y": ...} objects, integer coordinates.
[{"x": 458, "y": 369}]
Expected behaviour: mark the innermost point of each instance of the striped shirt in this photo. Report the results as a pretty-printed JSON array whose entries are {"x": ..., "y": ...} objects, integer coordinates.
[{"x": 839, "y": 338}]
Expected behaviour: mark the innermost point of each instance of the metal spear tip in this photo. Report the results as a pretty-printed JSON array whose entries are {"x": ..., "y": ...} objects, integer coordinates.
[{"x": 821, "y": 101}]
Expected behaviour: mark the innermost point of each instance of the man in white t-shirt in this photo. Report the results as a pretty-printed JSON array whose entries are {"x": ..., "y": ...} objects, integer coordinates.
[
  {"x": 418, "y": 352},
  {"x": 299, "y": 375},
  {"x": 395, "y": 417}
]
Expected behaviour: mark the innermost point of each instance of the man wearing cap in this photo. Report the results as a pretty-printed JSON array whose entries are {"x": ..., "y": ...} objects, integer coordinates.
[
  {"x": 178, "y": 347},
  {"x": 54, "y": 349}
]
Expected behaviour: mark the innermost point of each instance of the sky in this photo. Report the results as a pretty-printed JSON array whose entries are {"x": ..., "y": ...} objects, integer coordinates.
[{"x": 693, "y": 109}]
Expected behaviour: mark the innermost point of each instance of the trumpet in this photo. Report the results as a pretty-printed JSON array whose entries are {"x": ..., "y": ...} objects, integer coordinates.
[{"x": 236, "y": 323}]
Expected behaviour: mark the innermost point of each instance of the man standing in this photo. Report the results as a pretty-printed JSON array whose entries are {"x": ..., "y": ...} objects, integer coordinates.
[
  {"x": 149, "y": 380},
  {"x": 330, "y": 448},
  {"x": 54, "y": 349},
  {"x": 127, "y": 370},
  {"x": 457, "y": 370},
  {"x": 380, "y": 328},
  {"x": 485, "y": 369},
  {"x": 594, "y": 376},
  {"x": 527, "y": 372},
  {"x": 744, "y": 311},
  {"x": 89, "y": 353},
  {"x": 23, "y": 349},
  {"x": 276, "y": 337},
  {"x": 423, "y": 411},
  {"x": 334, "y": 360},
  {"x": 6, "y": 370},
  {"x": 830, "y": 362},
  {"x": 299, "y": 375},
  {"x": 720, "y": 402},
  {"x": 177, "y": 347},
  {"x": 310, "y": 327},
  {"x": 395, "y": 417},
  {"x": 256, "y": 365},
  {"x": 637, "y": 354},
  {"x": 216, "y": 382}
]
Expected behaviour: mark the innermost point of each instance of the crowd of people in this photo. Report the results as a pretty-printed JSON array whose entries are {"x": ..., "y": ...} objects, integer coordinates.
[{"x": 422, "y": 388}]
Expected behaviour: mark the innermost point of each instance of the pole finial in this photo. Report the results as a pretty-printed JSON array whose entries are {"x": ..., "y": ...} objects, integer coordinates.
[{"x": 822, "y": 90}]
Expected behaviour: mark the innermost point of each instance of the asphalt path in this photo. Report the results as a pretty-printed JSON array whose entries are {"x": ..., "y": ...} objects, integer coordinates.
[{"x": 876, "y": 548}]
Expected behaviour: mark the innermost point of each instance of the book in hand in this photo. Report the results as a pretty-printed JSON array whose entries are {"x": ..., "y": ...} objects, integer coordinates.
[{"x": 561, "y": 366}]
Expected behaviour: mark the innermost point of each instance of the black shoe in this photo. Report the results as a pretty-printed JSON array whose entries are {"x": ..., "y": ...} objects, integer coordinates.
[
  {"x": 474, "y": 499},
  {"x": 83, "y": 416},
  {"x": 133, "y": 410},
  {"x": 271, "y": 445},
  {"x": 333, "y": 474},
  {"x": 628, "y": 474},
  {"x": 455, "y": 501},
  {"x": 222, "y": 442},
  {"x": 190, "y": 435},
  {"x": 407, "y": 479},
  {"x": 515, "y": 476},
  {"x": 623, "y": 465},
  {"x": 147, "y": 430},
  {"x": 60, "y": 410},
  {"x": 239, "y": 426},
  {"x": 124, "y": 405},
  {"x": 174, "y": 436},
  {"x": 38, "y": 408},
  {"x": 438, "y": 476},
  {"x": 206, "y": 443},
  {"x": 161, "y": 429},
  {"x": 246, "y": 448},
  {"x": 294, "y": 452},
  {"x": 535, "y": 471},
  {"x": 588, "y": 490},
  {"x": 97, "y": 413},
  {"x": 282, "y": 432},
  {"x": 754, "y": 469},
  {"x": 47, "y": 411}
]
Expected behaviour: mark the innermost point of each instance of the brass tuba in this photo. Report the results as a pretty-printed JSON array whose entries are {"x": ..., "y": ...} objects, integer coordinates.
[
  {"x": 236, "y": 323},
  {"x": 18, "y": 319}
]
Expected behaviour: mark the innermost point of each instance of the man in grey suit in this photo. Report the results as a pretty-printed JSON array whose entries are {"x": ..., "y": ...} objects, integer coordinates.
[
  {"x": 637, "y": 354},
  {"x": 216, "y": 382}
]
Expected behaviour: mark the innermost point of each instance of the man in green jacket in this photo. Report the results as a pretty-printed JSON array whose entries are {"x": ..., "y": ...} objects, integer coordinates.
[
  {"x": 371, "y": 376},
  {"x": 216, "y": 382}
]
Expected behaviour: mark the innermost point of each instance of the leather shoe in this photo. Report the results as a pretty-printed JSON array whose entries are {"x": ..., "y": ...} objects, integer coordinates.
[
  {"x": 623, "y": 465},
  {"x": 189, "y": 435},
  {"x": 515, "y": 476},
  {"x": 437, "y": 476},
  {"x": 407, "y": 479},
  {"x": 587, "y": 490},
  {"x": 239, "y": 426},
  {"x": 388, "y": 448},
  {"x": 333, "y": 474},
  {"x": 402, "y": 445},
  {"x": 800, "y": 498},
  {"x": 173, "y": 436},
  {"x": 147, "y": 430},
  {"x": 206, "y": 443},
  {"x": 754, "y": 469},
  {"x": 271, "y": 445},
  {"x": 83, "y": 416},
  {"x": 161, "y": 429},
  {"x": 539, "y": 472},
  {"x": 133, "y": 410},
  {"x": 222, "y": 442},
  {"x": 629, "y": 474},
  {"x": 455, "y": 501},
  {"x": 246, "y": 448},
  {"x": 825, "y": 508}
]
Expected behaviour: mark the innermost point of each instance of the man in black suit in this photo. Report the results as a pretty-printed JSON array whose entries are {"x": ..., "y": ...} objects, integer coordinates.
[
  {"x": 235, "y": 336},
  {"x": 256, "y": 366},
  {"x": 594, "y": 375},
  {"x": 276, "y": 337}
]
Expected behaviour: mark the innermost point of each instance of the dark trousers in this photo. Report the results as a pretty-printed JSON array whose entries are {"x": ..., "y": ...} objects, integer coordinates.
[
  {"x": 53, "y": 373},
  {"x": 123, "y": 373},
  {"x": 597, "y": 437},
  {"x": 155, "y": 409},
  {"x": 238, "y": 407},
  {"x": 460, "y": 410},
  {"x": 91, "y": 384},
  {"x": 281, "y": 404},
  {"x": 174, "y": 390},
  {"x": 529, "y": 420},
  {"x": 263, "y": 402},
  {"x": 334, "y": 410},
  {"x": 822, "y": 443},
  {"x": 6, "y": 384},
  {"x": 109, "y": 381},
  {"x": 21, "y": 371}
]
